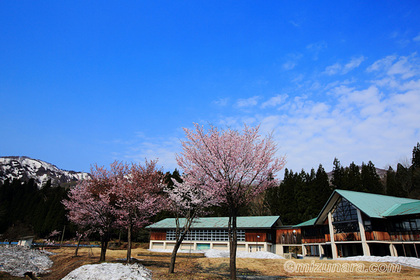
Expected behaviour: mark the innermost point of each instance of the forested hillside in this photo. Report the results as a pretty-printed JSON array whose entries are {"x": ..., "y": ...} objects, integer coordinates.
[{"x": 26, "y": 209}]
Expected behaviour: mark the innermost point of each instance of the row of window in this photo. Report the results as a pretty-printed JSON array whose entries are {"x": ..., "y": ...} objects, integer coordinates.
[
  {"x": 206, "y": 235},
  {"x": 407, "y": 225}
]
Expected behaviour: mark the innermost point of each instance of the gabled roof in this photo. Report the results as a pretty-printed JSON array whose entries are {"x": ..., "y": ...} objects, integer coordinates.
[
  {"x": 373, "y": 205},
  {"x": 310, "y": 222},
  {"x": 403, "y": 209},
  {"x": 260, "y": 222}
]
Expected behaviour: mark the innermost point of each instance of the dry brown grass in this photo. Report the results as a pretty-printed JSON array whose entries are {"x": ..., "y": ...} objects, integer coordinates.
[{"x": 196, "y": 266}]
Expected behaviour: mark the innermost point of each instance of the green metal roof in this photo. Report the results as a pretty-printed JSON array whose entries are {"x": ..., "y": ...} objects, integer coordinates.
[
  {"x": 310, "y": 222},
  {"x": 221, "y": 222},
  {"x": 373, "y": 205},
  {"x": 403, "y": 209}
]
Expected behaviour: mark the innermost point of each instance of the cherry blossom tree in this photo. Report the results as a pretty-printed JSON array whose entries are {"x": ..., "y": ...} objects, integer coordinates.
[
  {"x": 187, "y": 201},
  {"x": 138, "y": 195},
  {"x": 91, "y": 204},
  {"x": 232, "y": 166}
]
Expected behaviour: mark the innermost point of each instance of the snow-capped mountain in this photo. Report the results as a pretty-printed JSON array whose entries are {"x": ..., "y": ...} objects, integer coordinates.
[{"x": 25, "y": 168}]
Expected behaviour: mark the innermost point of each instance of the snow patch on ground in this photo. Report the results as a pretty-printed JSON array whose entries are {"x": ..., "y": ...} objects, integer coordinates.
[
  {"x": 406, "y": 261},
  {"x": 110, "y": 271},
  {"x": 18, "y": 260},
  {"x": 225, "y": 254}
]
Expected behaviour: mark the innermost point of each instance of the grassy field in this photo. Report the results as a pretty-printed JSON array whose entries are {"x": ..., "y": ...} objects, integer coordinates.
[{"x": 196, "y": 266}]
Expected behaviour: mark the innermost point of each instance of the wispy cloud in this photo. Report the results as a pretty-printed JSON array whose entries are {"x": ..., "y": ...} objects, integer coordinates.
[
  {"x": 294, "y": 23},
  {"x": 275, "y": 101},
  {"x": 354, "y": 63},
  {"x": 391, "y": 66},
  {"x": 338, "y": 68},
  {"x": 316, "y": 48},
  {"x": 289, "y": 65},
  {"x": 376, "y": 120},
  {"x": 291, "y": 61},
  {"x": 247, "y": 102},
  {"x": 139, "y": 148},
  {"x": 221, "y": 102},
  {"x": 333, "y": 69}
]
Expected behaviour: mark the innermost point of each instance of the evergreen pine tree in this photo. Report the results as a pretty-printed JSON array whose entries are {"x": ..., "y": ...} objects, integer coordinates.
[
  {"x": 403, "y": 178},
  {"x": 370, "y": 179},
  {"x": 322, "y": 189},
  {"x": 415, "y": 172},
  {"x": 353, "y": 180},
  {"x": 415, "y": 161},
  {"x": 392, "y": 186},
  {"x": 338, "y": 178}
]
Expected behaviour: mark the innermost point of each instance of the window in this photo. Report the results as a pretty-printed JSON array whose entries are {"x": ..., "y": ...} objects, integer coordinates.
[
  {"x": 344, "y": 211},
  {"x": 368, "y": 225},
  {"x": 344, "y": 217},
  {"x": 407, "y": 225},
  {"x": 206, "y": 235}
]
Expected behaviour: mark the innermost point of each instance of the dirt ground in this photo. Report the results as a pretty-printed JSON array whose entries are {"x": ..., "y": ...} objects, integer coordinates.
[{"x": 196, "y": 266}]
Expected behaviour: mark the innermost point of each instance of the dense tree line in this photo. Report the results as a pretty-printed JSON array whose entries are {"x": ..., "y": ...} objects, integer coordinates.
[
  {"x": 301, "y": 196},
  {"x": 26, "y": 209},
  {"x": 405, "y": 181}
]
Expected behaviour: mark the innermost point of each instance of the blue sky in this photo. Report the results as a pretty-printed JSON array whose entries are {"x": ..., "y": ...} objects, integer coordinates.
[{"x": 84, "y": 82}]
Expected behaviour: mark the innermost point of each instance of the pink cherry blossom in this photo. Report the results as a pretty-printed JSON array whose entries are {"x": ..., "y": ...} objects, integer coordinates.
[{"x": 232, "y": 166}]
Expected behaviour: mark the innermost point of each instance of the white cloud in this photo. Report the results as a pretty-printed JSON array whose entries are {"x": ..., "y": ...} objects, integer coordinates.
[
  {"x": 316, "y": 48},
  {"x": 402, "y": 67},
  {"x": 291, "y": 61},
  {"x": 338, "y": 68},
  {"x": 221, "y": 102},
  {"x": 275, "y": 101},
  {"x": 354, "y": 63},
  {"x": 141, "y": 147},
  {"x": 382, "y": 63},
  {"x": 333, "y": 69},
  {"x": 248, "y": 102},
  {"x": 375, "y": 120},
  {"x": 294, "y": 23},
  {"x": 289, "y": 65}
]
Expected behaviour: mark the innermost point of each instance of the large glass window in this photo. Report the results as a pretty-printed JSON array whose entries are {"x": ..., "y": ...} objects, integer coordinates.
[
  {"x": 344, "y": 211},
  {"x": 344, "y": 217},
  {"x": 206, "y": 235}
]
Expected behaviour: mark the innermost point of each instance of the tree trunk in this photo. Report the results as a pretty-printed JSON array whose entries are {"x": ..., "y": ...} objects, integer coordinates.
[
  {"x": 189, "y": 219},
  {"x": 130, "y": 228},
  {"x": 78, "y": 244},
  {"x": 119, "y": 239},
  {"x": 232, "y": 245},
  {"x": 104, "y": 246},
  {"x": 173, "y": 256}
]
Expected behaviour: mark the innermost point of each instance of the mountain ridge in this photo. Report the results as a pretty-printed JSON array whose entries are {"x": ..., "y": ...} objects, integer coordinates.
[{"x": 25, "y": 168}]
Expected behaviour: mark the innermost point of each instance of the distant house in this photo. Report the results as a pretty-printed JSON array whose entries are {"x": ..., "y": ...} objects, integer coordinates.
[
  {"x": 350, "y": 223},
  {"x": 26, "y": 241},
  {"x": 254, "y": 233}
]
